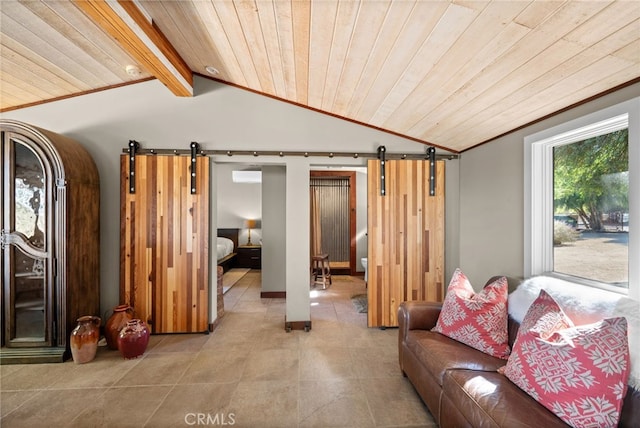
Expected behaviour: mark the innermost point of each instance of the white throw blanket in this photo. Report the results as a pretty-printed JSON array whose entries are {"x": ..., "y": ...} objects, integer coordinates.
[{"x": 584, "y": 305}]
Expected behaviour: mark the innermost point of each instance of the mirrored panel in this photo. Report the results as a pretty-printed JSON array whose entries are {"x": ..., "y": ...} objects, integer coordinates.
[{"x": 30, "y": 196}]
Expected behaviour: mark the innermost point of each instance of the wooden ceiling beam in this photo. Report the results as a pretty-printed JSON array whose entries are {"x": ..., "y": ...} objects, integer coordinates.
[{"x": 143, "y": 40}]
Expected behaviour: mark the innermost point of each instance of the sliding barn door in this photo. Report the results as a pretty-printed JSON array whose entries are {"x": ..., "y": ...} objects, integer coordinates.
[
  {"x": 405, "y": 238},
  {"x": 164, "y": 242}
]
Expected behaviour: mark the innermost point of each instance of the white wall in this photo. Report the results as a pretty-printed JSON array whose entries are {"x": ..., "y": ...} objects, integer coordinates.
[
  {"x": 492, "y": 201},
  {"x": 274, "y": 260},
  {"x": 452, "y": 219},
  {"x": 297, "y": 215},
  {"x": 218, "y": 117},
  {"x": 361, "y": 218},
  {"x": 237, "y": 202}
]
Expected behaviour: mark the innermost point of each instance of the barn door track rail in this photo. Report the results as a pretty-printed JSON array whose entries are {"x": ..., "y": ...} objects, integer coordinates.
[{"x": 283, "y": 153}]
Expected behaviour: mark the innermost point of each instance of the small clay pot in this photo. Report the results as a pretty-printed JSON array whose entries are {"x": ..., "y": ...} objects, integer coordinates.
[
  {"x": 84, "y": 339},
  {"x": 121, "y": 315}
]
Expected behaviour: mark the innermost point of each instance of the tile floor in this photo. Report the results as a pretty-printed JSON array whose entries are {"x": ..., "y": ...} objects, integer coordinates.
[{"x": 248, "y": 373}]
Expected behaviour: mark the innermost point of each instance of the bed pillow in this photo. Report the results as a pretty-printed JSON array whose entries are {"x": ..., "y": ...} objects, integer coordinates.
[
  {"x": 479, "y": 319},
  {"x": 578, "y": 373},
  {"x": 226, "y": 243}
]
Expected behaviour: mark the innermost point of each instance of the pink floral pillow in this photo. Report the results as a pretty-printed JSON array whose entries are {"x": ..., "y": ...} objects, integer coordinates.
[
  {"x": 477, "y": 320},
  {"x": 578, "y": 373}
]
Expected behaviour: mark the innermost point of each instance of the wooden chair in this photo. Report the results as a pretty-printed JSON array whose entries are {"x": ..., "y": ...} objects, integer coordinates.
[{"x": 320, "y": 269}]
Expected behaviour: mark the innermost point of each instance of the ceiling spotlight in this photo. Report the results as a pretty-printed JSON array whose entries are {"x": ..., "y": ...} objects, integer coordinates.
[
  {"x": 133, "y": 70},
  {"x": 212, "y": 70}
]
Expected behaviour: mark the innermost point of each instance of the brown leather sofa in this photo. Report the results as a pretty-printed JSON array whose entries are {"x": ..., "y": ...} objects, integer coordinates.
[{"x": 461, "y": 386}]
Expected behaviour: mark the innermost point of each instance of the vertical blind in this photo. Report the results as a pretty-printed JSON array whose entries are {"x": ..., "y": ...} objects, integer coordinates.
[{"x": 334, "y": 216}]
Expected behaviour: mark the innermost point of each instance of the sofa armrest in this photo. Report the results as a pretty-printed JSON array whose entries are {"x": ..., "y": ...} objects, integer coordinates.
[{"x": 417, "y": 315}]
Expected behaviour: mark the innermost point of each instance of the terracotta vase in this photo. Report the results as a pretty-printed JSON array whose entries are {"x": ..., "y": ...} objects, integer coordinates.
[
  {"x": 133, "y": 339},
  {"x": 84, "y": 339},
  {"x": 121, "y": 315}
]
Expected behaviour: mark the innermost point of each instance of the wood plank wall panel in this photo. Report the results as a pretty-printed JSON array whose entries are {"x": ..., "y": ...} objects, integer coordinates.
[
  {"x": 405, "y": 238},
  {"x": 164, "y": 243}
]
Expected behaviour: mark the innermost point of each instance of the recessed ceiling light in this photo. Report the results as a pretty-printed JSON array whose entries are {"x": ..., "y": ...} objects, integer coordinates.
[
  {"x": 133, "y": 70},
  {"x": 212, "y": 70}
]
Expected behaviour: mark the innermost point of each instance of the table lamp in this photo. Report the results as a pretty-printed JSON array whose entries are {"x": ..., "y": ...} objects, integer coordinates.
[{"x": 249, "y": 224}]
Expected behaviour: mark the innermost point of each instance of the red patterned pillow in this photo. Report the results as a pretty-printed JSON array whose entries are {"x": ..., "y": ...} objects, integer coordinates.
[
  {"x": 477, "y": 320},
  {"x": 578, "y": 373},
  {"x": 545, "y": 315}
]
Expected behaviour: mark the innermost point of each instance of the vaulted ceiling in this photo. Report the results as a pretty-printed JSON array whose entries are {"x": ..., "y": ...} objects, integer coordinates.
[{"x": 448, "y": 73}]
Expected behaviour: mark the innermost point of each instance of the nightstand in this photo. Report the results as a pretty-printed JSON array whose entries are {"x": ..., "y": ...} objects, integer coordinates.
[{"x": 249, "y": 256}]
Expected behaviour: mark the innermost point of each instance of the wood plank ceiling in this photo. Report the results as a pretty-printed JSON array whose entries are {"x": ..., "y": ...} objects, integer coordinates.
[{"x": 449, "y": 73}]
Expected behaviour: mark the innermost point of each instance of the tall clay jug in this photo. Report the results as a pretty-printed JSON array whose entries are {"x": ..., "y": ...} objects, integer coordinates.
[
  {"x": 84, "y": 339},
  {"x": 121, "y": 315}
]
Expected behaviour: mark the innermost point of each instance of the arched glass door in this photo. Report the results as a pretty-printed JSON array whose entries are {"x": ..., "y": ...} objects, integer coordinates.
[{"x": 26, "y": 254}]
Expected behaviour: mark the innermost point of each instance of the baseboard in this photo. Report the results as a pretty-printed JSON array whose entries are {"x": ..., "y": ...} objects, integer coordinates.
[
  {"x": 33, "y": 355},
  {"x": 273, "y": 294},
  {"x": 297, "y": 325},
  {"x": 214, "y": 325}
]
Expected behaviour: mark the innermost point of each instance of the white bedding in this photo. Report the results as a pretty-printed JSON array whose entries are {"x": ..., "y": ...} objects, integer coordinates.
[{"x": 225, "y": 247}]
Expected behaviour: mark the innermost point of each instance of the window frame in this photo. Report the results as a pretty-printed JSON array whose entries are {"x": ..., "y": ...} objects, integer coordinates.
[{"x": 538, "y": 192}]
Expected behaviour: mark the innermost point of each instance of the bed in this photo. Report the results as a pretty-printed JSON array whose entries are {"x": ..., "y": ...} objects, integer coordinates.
[{"x": 227, "y": 242}]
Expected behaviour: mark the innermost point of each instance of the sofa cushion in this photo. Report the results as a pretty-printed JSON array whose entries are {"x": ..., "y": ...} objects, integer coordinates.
[
  {"x": 476, "y": 319},
  {"x": 578, "y": 373},
  {"x": 630, "y": 409},
  {"x": 439, "y": 353},
  {"x": 488, "y": 399}
]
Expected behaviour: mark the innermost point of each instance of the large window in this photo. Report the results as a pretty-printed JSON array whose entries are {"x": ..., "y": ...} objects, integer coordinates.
[
  {"x": 591, "y": 208},
  {"x": 581, "y": 200}
]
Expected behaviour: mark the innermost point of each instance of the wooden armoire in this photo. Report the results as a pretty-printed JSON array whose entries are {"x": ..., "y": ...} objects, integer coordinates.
[
  {"x": 405, "y": 226},
  {"x": 50, "y": 241}
]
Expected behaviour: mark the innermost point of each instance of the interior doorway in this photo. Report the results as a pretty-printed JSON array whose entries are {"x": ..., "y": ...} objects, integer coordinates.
[{"x": 336, "y": 197}]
